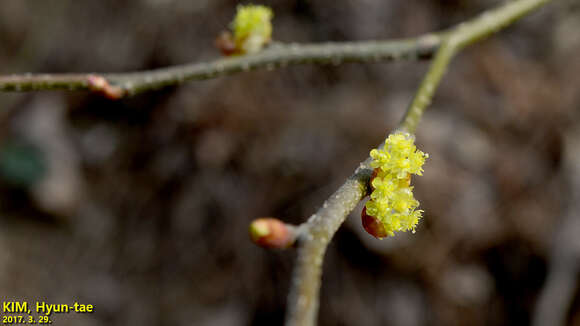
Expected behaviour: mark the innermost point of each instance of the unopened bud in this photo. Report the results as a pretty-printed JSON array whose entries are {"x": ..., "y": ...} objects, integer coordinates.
[
  {"x": 270, "y": 232},
  {"x": 373, "y": 225},
  {"x": 100, "y": 85}
]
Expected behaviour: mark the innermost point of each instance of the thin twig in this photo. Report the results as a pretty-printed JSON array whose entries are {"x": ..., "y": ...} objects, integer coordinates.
[
  {"x": 277, "y": 55},
  {"x": 313, "y": 241},
  {"x": 317, "y": 232}
]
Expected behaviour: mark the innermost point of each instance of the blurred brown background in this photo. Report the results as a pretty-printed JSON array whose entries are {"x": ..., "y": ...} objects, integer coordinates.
[{"x": 140, "y": 206}]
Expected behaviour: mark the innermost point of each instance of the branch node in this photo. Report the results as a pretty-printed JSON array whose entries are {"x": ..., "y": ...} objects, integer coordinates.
[{"x": 99, "y": 84}]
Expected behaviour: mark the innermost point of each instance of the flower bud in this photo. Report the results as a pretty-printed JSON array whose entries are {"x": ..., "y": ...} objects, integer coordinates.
[
  {"x": 373, "y": 225},
  {"x": 100, "y": 85},
  {"x": 251, "y": 31},
  {"x": 392, "y": 206},
  {"x": 270, "y": 232},
  {"x": 225, "y": 43}
]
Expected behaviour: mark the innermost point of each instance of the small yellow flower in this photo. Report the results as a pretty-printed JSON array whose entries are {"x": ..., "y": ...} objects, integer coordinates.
[
  {"x": 252, "y": 28},
  {"x": 392, "y": 203}
]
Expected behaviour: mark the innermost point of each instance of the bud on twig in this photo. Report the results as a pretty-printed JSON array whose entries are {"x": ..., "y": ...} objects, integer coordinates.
[
  {"x": 392, "y": 206},
  {"x": 225, "y": 43},
  {"x": 270, "y": 232},
  {"x": 373, "y": 225},
  {"x": 251, "y": 31},
  {"x": 100, "y": 85}
]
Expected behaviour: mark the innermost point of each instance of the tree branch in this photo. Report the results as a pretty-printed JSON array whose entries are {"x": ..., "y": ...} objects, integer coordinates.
[
  {"x": 277, "y": 55},
  {"x": 316, "y": 233}
]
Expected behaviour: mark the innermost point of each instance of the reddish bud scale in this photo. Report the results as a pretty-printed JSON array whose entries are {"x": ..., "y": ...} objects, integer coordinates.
[
  {"x": 100, "y": 85},
  {"x": 226, "y": 44},
  {"x": 372, "y": 225},
  {"x": 271, "y": 233}
]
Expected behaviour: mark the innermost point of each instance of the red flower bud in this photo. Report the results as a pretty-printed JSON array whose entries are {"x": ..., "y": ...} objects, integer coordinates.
[
  {"x": 270, "y": 232},
  {"x": 372, "y": 225},
  {"x": 226, "y": 44}
]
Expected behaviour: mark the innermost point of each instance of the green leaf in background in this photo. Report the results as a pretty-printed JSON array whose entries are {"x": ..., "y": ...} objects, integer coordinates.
[{"x": 21, "y": 164}]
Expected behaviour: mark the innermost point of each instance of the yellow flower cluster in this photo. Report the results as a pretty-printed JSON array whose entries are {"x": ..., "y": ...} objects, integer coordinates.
[
  {"x": 392, "y": 202},
  {"x": 252, "y": 28}
]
